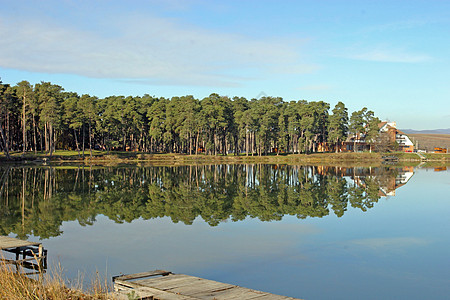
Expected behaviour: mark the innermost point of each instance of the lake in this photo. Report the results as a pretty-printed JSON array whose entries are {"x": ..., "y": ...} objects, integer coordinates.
[{"x": 309, "y": 232}]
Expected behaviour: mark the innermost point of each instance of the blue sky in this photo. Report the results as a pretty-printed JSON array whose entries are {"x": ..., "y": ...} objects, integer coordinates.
[{"x": 389, "y": 56}]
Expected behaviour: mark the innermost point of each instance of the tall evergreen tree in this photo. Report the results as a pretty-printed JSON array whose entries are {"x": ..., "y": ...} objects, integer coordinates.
[
  {"x": 24, "y": 90},
  {"x": 4, "y": 106},
  {"x": 87, "y": 107},
  {"x": 44, "y": 117},
  {"x": 338, "y": 126},
  {"x": 50, "y": 99},
  {"x": 371, "y": 128},
  {"x": 356, "y": 126}
]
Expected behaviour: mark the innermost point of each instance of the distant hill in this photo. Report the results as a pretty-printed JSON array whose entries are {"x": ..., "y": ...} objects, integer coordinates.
[{"x": 433, "y": 131}]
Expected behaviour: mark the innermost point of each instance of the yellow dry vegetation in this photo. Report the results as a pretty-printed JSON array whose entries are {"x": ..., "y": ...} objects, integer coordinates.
[
  {"x": 17, "y": 286},
  {"x": 430, "y": 141}
]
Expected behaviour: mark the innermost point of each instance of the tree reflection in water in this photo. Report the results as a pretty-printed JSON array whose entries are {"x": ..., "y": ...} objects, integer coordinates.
[{"x": 36, "y": 200}]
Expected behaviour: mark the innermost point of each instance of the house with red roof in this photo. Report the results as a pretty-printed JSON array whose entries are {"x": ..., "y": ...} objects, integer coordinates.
[
  {"x": 359, "y": 143},
  {"x": 396, "y": 135}
]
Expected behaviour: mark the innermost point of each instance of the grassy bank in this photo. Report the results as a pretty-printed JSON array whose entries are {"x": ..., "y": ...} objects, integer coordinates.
[
  {"x": 17, "y": 286},
  {"x": 101, "y": 157}
]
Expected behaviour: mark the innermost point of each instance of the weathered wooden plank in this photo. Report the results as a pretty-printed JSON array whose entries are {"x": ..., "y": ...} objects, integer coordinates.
[
  {"x": 152, "y": 280},
  {"x": 143, "y": 275},
  {"x": 179, "y": 286},
  {"x": 209, "y": 285},
  {"x": 218, "y": 293},
  {"x": 204, "y": 286},
  {"x": 273, "y": 297},
  {"x": 123, "y": 293},
  {"x": 208, "y": 294},
  {"x": 146, "y": 292},
  {"x": 258, "y": 295},
  {"x": 125, "y": 287},
  {"x": 9, "y": 242},
  {"x": 237, "y": 293},
  {"x": 176, "y": 283},
  {"x": 167, "y": 282}
]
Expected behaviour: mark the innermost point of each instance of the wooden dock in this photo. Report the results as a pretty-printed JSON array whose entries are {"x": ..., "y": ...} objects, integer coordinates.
[
  {"x": 34, "y": 256},
  {"x": 164, "y": 285}
]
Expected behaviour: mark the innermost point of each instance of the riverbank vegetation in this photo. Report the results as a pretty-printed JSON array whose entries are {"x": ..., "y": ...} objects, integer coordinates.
[
  {"x": 17, "y": 286},
  {"x": 45, "y": 118},
  {"x": 170, "y": 159}
]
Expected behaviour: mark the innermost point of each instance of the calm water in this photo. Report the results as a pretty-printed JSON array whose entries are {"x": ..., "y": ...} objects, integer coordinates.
[{"x": 307, "y": 232}]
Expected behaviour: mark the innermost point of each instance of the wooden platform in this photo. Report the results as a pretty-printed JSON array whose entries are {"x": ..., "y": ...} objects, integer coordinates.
[
  {"x": 9, "y": 242},
  {"x": 34, "y": 256},
  {"x": 164, "y": 285}
]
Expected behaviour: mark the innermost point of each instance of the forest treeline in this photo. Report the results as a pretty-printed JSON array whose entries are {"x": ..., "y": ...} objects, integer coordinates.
[
  {"x": 44, "y": 117},
  {"x": 36, "y": 200}
]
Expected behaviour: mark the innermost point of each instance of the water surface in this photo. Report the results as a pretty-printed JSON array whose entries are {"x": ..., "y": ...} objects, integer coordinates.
[{"x": 306, "y": 232}]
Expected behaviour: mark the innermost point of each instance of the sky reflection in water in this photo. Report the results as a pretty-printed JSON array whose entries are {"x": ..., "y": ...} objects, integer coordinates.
[{"x": 397, "y": 249}]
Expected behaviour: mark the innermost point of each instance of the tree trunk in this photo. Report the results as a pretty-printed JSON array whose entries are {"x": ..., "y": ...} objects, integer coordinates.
[
  {"x": 214, "y": 142},
  {"x": 253, "y": 143},
  {"x": 151, "y": 144},
  {"x": 41, "y": 140},
  {"x": 34, "y": 134},
  {"x": 140, "y": 143},
  {"x": 24, "y": 124},
  {"x": 246, "y": 141},
  {"x": 76, "y": 141},
  {"x": 8, "y": 134},
  {"x": 190, "y": 143},
  {"x": 5, "y": 142},
  {"x": 259, "y": 147},
  {"x": 83, "y": 138},
  {"x": 90, "y": 139},
  {"x": 124, "y": 141},
  {"x": 196, "y": 142},
  {"x": 51, "y": 142},
  {"x": 225, "y": 142},
  {"x": 46, "y": 136}
]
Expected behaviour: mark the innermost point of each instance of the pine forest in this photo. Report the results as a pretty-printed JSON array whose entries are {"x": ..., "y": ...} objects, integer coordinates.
[{"x": 45, "y": 117}]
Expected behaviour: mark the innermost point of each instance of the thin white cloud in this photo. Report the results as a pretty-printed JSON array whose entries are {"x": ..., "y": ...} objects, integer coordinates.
[{"x": 147, "y": 49}]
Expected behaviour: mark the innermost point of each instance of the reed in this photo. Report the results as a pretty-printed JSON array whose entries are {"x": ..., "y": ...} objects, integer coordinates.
[{"x": 15, "y": 286}]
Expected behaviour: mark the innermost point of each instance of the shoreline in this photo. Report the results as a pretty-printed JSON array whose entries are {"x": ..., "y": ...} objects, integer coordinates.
[{"x": 352, "y": 158}]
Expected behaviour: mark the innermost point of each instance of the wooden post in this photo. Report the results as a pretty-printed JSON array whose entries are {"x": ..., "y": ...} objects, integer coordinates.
[{"x": 40, "y": 253}]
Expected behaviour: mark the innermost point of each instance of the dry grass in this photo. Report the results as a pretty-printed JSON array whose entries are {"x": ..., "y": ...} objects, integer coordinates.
[
  {"x": 15, "y": 286},
  {"x": 429, "y": 141}
]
